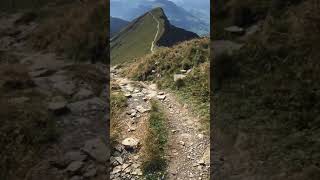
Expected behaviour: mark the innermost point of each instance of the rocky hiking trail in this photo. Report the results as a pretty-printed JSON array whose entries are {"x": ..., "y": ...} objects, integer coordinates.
[
  {"x": 75, "y": 104},
  {"x": 188, "y": 150}
]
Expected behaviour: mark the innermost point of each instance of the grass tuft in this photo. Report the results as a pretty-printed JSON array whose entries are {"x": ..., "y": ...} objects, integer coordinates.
[{"x": 154, "y": 164}]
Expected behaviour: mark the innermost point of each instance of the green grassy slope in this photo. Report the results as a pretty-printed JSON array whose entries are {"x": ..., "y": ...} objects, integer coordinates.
[{"x": 136, "y": 39}]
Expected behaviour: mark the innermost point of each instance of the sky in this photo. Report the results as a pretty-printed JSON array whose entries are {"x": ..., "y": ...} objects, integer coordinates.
[{"x": 185, "y": 3}]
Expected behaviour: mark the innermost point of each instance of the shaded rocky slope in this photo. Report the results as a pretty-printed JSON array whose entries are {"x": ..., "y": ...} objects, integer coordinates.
[
  {"x": 265, "y": 96},
  {"x": 54, "y": 111}
]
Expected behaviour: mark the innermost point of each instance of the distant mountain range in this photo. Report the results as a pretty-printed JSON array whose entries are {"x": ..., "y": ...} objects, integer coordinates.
[
  {"x": 193, "y": 19},
  {"x": 144, "y": 34}
]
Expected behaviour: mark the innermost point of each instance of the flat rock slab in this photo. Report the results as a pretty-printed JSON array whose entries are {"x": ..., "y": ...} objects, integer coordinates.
[
  {"x": 40, "y": 73},
  {"x": 96, "y": 149},
  {"x": 141, "y": 109},
  {"x": 58, "y": 108},
  {"x": 83, "y": 94},
  {"x": 93, "y": 104},
  {"x": 74, "y": 156},
  {"x": 74, "y": 166},
  {"x": 130, "y": 143},
  {"x": 65, "y": 87}
]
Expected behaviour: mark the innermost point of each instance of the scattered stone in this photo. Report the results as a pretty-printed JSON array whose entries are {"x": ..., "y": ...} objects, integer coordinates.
[
  {"x": 90, "y": 172},
  {"x": 97, "y": 149},
  {"x": 76, "y": 178},
  {"x": 65, "y": 87},
  {"x": 83, "y": 94},
  {"x": 83, "y": 121},
  {"x": 200, "y": 136},
  {"x": 58, "y": 108},
  {"x": 201, "y": 162},
  {"x": 141, "y": 109},
  {"x": 93, "y": 104},
  {"x": 124, "y": 166},
  {"x": 74, "y": 167},
  {"x": 40, "y": 73},
  {"x": 183, "y": 71},
  {"x": 132, "y": 129},
  {"x": 136, "y": 165},
  {"x": 160, "y": 93},
  {"x": 128, "y": 95},
  {"x": 136, "y": 91},
  {"x": 130, "y": 143},
  {"x": 176, "y": 77},
  {"x": 182, "y": 143},
  {"x": 119, "y": 147},
  {"x": 74, "y": 156},
  {"x": 19, "y": 100},
  {"x": 235, "y": 30},
  {"x": 137, "y": 172},
  {"x": 116, "y": 170},
  {"x": 161, "y": 97},
  {"x": 119, "y": 159}
]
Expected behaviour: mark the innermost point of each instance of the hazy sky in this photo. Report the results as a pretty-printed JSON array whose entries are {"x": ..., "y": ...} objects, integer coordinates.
[{"x": 183, "y": 3}]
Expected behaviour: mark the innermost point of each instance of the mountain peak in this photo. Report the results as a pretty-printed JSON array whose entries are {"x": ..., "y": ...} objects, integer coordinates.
[{"x": 145, "y": 34}]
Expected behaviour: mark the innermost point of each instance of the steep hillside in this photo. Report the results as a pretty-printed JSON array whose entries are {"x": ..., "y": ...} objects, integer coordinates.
[
  {"x": 116, "y": 24},
  {"x": 177, "y": 15},
  {"x": 266, "y": 104},
  {"x": 142, "y": 36}
]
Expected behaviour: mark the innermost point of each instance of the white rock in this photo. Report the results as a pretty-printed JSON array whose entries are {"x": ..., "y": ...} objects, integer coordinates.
[
  {"x": 161, "y": 97},
  {"x": 130, "y": 143},
  {"x": 74, "y": 166},
  {"x": 176, "y": 77},
  {"x": 235, "y": 29},
  {"x": 119, "y": 159},
  {"x": 141, "y": 109}
]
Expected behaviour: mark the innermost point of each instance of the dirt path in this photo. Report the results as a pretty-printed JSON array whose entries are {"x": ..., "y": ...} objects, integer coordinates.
[
  {"x": 156, "y": 36},
  {"x": 188, "y": 152}
]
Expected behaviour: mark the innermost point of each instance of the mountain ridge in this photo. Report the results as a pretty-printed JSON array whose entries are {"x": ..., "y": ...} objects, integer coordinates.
[
  {"x": 177, "y": 15},
  {"x": 135, "y": 40}
]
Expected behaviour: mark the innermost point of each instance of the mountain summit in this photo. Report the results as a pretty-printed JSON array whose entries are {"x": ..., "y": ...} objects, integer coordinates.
[{"x": 144, "y": 34}]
